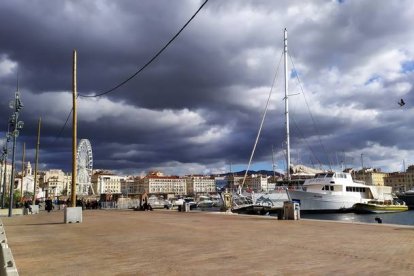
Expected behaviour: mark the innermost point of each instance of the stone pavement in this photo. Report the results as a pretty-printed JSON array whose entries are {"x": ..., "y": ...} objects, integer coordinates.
[{"x": 116, "y": 242}]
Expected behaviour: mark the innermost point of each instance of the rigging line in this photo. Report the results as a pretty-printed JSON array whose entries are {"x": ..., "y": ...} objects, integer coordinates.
[
  {"x": 150, "y": 61},
  {"x": 310, "y": 113},
  {"x": 261, "y": 123},
  {"x": 306, "y": 142}
]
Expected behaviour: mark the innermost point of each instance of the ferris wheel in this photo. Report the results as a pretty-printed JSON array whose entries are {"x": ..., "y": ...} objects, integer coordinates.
[{"x": 84, "y": 160}]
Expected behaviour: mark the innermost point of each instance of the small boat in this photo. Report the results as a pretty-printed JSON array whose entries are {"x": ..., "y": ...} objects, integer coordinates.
[
  {"x": 159, "y": 203},
  {"x": 379, "y": 206},
  {"x": 205, "y": 202}
]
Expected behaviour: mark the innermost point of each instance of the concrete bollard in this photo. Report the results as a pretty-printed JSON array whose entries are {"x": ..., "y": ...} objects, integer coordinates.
[
  {"x": 35, "y": 209},
  {"x": 3, "y": 239},
  {"x": 73, "y": 214},
  {"x": 8, "y": 266}
]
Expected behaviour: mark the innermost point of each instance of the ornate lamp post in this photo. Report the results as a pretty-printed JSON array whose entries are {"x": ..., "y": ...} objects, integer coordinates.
[{"x": 15, "y": 126}]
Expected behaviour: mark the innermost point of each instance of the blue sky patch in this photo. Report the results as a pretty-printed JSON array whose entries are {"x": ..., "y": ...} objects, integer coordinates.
[
  {"x": 408, "y": 66},
  {"x": 372, "y": 79}
]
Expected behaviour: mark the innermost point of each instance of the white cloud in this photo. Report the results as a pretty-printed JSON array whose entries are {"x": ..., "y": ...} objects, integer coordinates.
[
  {"x": 7, "y": 66},
  {"x": 211, "y": 135}
]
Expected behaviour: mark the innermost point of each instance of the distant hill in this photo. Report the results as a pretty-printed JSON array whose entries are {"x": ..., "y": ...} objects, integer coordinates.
[{"x": 250, "y": 172}]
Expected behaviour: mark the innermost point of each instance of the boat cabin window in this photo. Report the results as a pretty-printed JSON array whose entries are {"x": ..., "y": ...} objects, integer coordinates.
[
  {"x": 355, "y": 189},
  {"x": 340, "y": 175},
  {"x": 323, "y": 175},
  {"x": 327, "y": 188}
]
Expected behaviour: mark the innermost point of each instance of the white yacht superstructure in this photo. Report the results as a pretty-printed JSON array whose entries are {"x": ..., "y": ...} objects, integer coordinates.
[{"x": 335, "y": 191}]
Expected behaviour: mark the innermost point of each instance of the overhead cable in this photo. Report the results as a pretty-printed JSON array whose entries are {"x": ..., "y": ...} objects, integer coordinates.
[
  {"x": 150, "y": 61},
  {"x": 137, "y": 72}
]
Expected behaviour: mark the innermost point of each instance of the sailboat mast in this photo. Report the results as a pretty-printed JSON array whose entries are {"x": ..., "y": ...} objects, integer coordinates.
[{"x": 285, "y": 52}]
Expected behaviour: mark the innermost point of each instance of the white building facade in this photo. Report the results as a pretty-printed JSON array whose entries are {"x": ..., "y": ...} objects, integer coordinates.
[
  {"x": 257, "y": 183},
  {"x": 107, "y": 183},
  {"x": 56, "y": 183},
  {"x": 200, "y": 184},
  {"x": 157, "y": 183}
]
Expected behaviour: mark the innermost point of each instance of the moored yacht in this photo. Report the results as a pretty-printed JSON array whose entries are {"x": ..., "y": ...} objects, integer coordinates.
[{"x": 336, "y": 191}]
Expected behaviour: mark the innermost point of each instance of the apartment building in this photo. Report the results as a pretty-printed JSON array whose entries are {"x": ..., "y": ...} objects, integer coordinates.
[
  {"x": 401, "y": 181},
  {"x": 370, "y": 176},
  {"x": 257, "y": 183},
  {"x": 199, "y": 184},
  {"x": 105, "y": 182},
  {"x": 55, "y": 182},
  {"x": 157, "y": 183}
]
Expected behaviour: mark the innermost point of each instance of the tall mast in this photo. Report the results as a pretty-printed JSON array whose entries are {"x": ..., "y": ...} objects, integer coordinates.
[{"x": 285, "y": 53}]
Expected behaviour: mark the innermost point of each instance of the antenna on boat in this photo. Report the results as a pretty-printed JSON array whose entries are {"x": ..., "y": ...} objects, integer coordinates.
[{"x": 285, "y": 53}]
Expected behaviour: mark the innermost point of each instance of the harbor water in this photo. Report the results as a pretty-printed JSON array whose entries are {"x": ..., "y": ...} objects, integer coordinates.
[{"x": 402, "y": 218}]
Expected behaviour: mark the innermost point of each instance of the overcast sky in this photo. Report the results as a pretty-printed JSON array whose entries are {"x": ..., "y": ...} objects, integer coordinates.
[{"x": 197, "y": 108}]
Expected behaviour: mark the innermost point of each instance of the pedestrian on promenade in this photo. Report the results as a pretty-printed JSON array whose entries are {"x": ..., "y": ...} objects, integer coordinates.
[
  {"x": 27, "y": 204},
  {"x": 49, "y": 205}
]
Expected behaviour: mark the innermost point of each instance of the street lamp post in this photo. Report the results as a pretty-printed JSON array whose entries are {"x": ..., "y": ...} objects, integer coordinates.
[{"x": 16, "y": 125}]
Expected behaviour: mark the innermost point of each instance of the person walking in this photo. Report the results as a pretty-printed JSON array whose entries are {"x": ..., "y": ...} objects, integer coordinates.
[
  {"x": 48, "y": 205},
  {"x": 27, "y": 205}
]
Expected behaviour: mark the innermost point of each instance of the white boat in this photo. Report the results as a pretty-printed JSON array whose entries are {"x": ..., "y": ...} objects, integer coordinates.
[
  {"x": 159, "y": 202},
  {"x": 274, "y": 198},
  {"x": 204, "y": 202},
  {"x": 336, "y": 191}
]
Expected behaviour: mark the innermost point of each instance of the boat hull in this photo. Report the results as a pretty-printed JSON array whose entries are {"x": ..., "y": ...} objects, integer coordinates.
[
  {"x": 256, "y": 210},
  {"x": 366, "y": 208},
  {"x": 316, "y": 202},
  {"x": 270, "y": 200}
]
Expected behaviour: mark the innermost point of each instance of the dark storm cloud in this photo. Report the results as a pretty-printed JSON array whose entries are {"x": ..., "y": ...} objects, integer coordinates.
[{"x": 198, "y": 106}]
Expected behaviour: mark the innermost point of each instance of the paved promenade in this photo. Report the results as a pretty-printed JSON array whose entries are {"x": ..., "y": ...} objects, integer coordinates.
[{"x": 172, "y": 243}]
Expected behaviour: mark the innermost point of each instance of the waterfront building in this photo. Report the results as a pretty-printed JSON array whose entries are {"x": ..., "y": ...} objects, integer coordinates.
[
  {"x": 234, "y": 181},
  {"x": 55, "y": 182},
  {"x": 370, "y": 176},
  {"x": 257, "y": 183},
  {"x": 105, "y": 182},
  {"x": 401, "y": 181},
  {"x": 199, "y": 184},
  {"x": 157, "y": 183},
  {"x": 130, "y": 185}
]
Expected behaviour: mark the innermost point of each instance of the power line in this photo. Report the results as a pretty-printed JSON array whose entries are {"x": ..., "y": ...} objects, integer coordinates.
[
  {"x": 150, "y": 61},
  {"x": 63, "y": 127},
  {"x": 137, "y": 72}
]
